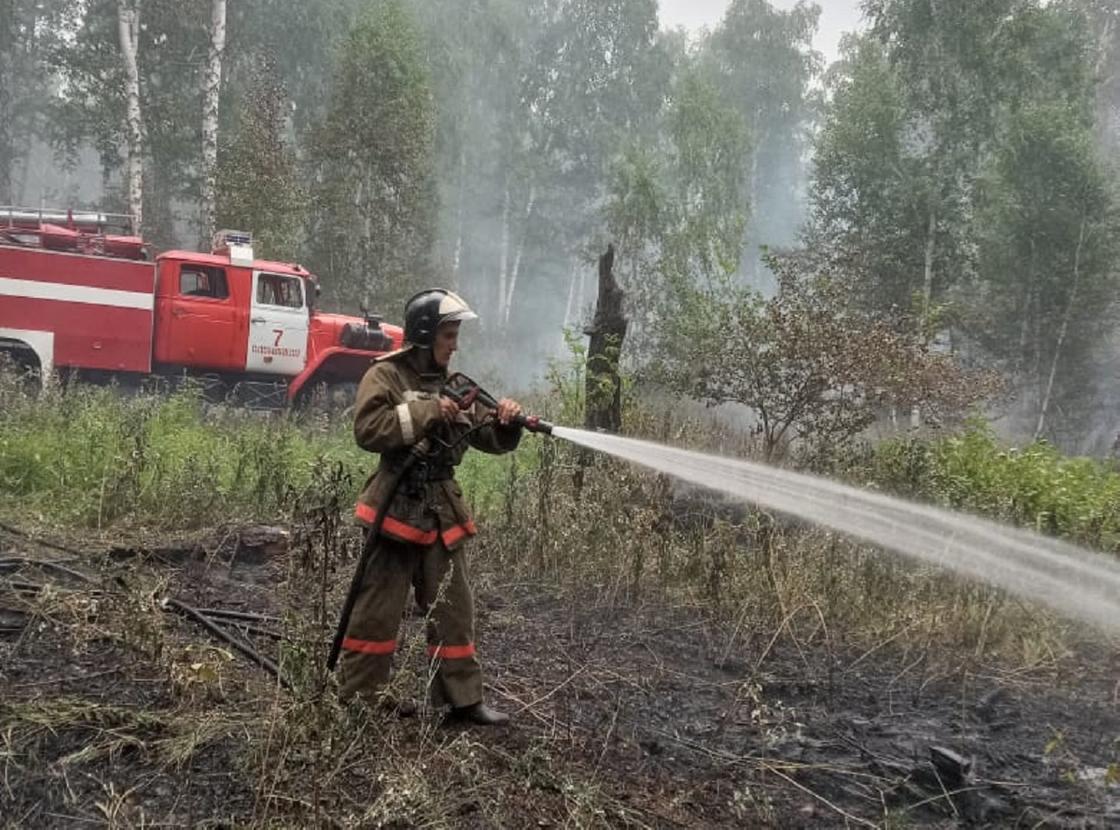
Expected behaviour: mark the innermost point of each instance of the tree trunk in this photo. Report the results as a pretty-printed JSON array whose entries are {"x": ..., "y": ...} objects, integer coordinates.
[
  {"x": 503, "y": 255},
  {"x": 211, "y": 98},
  {"x": 128, "y": 28},
  {"x": 460, "y": 212},
  {"x": 607, "y": 332},
  {"x": 7, "y": 83},
  {"x": 1062, "y": 332},
  {"x": 569, "y": 311},
  {"x": 1028, "y": 306},
  {"x": 748, "y": 263},
  {"x": 507, "y": 301},
  {"x": 19, "y": 179},
  {"x": 1106, "y": 89},
  {"x": 927, "y": 290},
  {"x": 580, "y": 294},
  {"x": 1036, "y": 352}
]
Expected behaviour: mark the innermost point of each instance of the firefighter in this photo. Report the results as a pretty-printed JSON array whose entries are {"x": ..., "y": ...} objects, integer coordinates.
[{"x": 427, "y": 524}]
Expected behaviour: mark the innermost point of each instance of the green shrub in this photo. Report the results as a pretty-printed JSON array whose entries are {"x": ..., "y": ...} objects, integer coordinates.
[{"x": 1036, "y": 486}]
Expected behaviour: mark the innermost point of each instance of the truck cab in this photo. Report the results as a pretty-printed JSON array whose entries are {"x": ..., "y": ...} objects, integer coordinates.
[
  {"x": 214, "y": 314},
  {"x": 254, "y": 321}
]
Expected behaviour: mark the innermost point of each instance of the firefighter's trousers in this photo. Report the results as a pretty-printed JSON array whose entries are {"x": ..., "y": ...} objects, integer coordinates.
[{"x": 443, "y": 593}]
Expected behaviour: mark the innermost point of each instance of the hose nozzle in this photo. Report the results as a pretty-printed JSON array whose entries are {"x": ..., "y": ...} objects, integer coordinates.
[
  {"x": 533, "y": 424},
  {"x": 466, "y": 392}
]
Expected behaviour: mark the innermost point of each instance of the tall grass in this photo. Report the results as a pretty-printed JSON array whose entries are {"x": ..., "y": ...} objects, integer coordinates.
[{"x": 92, "y": 457}]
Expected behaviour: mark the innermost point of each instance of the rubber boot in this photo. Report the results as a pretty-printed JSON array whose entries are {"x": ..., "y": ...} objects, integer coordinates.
[{"x": 479, "y": 714}]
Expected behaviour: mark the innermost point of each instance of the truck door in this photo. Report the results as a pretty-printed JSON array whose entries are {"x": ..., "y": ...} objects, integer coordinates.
[
  {"x": 278, "y": 323},
  {"x": 199, "y": 322}
]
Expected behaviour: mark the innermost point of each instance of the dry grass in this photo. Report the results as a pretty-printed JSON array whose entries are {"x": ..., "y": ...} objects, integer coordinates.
[{"x": 625, "y": 538}]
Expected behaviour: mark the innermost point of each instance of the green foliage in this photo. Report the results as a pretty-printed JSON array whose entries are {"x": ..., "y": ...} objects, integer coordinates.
[
  {"x": 258, "y": 186},
  {"x": 958, "y": 183},
  {"x": 862, "y": 212},
  {"x": 375, "y": 199},
  {"x": 1048, "y": 256},
  {"x": 89, "y": 109},
  {"x": 636, "y": 214},
  {"x": 90, "y": 457},
  {"x": 710, "y": 143},
  {"x": 478, "y": 55},
  {"x": 298, "y": 41},
  {"x": 767, "y": 67},
  {"x": 605, "y": 48},
  {"x": 1035, "y": 486},
  {"x": 492, "y": 144},
  {"x": 29, "y": 34},
  {"x": 567, "y": 382},
  {"x": 678, "y": 210}
]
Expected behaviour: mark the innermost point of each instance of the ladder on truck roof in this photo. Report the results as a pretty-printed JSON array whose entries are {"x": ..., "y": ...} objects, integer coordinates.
[{"x": 77, "y": 231}]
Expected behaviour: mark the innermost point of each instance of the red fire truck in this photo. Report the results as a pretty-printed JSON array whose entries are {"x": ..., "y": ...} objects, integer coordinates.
[{"x": 80, "y": 293}]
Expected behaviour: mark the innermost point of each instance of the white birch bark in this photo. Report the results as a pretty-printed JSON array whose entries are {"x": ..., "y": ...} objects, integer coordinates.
[
  {"x": 128, "y": 30},
  {"x": 568, "y": 310},
  {"x": 507, "y": 301},
  {"x": 927, "y": 291},
  {"x": 503, "y": 255},
  {"x": 579, "y": 294},
  {"x": 211, "y": 98},
  {"x": 927, "y": 272},
  {"x": 460, "y": 212},
  {"x": 1062, "y": 332},
  {"x": 1028, "y": 308}
]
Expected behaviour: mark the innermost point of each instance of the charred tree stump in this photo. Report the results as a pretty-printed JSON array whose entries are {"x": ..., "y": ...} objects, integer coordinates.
[{"x": 607, "y": 332}]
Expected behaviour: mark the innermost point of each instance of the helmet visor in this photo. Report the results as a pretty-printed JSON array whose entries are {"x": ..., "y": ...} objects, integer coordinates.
[{"x": 452, "y": 308}]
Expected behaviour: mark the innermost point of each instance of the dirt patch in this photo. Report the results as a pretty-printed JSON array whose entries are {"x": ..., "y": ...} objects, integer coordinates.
[
  {"x": 806, "y": 734},
  {"x": 116, "y": 712}
]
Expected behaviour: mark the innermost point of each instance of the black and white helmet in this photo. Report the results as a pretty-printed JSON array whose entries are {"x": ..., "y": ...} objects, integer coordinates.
[{"x": 426, "y": 311}]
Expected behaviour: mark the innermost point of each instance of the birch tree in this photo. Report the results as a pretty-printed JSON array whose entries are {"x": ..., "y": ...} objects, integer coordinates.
[
  {"x": 916, "y": 111},
  {"x": 597, "y": 79},
  {"x": 8, "y": 36},
  {"x": 210, "y": 102},
  {"x": 1049, "y": 287},
  {"x": 374, "y": 224},
  {"x": 128, "y": 28},
  {"x": 258, "y": 184},
  {"x": 766, "y": 65}
]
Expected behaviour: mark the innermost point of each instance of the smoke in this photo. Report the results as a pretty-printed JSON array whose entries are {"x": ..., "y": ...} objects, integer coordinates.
[
  {"x": 838, "y": 17},
  {"x": 40, "y": 180}
]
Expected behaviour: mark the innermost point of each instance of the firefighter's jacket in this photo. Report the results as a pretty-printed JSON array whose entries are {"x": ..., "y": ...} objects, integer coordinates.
[{"x": 397, "y": 406}]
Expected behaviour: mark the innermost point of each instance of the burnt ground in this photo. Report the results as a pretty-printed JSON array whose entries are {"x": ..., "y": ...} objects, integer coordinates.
[{"x": 115, "y": 711}]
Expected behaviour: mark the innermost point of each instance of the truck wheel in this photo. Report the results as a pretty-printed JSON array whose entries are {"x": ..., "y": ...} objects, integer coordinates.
[
  {"x": 21, "y": 364},
  {"x": 333, "y": 398},
  {"x": 340, "y": 397}
]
